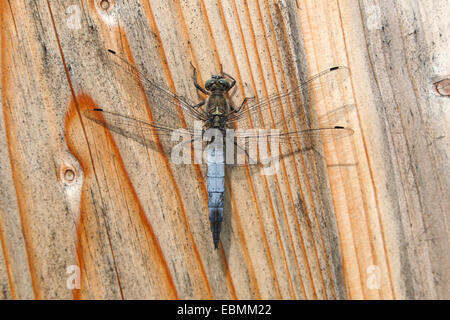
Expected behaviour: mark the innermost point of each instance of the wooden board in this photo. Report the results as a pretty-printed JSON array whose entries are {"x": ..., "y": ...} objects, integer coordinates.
[{"x": 86, "y": 213}]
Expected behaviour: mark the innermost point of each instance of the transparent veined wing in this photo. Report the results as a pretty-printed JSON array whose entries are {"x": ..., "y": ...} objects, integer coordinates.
[
  {"x": 258, "y": 145},
  {"x": 327, "y": 134},
  {"x": 167, "y": 107},
  {"x": 287, "y": 110},
  {"x": 144, "y": 132}
]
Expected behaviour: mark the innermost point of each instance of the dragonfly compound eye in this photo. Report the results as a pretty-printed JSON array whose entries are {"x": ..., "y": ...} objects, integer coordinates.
[
  {"x": 224, "y": 82},
  {"x": 209, "y": 83}
]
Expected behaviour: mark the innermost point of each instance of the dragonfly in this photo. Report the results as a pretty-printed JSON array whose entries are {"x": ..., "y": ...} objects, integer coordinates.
[{"x": 280, "y": 116}]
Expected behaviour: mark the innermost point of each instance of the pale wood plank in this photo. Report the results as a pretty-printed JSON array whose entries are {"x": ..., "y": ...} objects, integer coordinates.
[
  {"x": 38, "y": 217},
  {"x": 366, "y": 219},
  {"x": 392, "y": 90}
]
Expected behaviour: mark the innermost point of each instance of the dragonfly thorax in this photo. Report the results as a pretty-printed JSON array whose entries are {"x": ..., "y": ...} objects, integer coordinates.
[{"x": 217, "y": 108}]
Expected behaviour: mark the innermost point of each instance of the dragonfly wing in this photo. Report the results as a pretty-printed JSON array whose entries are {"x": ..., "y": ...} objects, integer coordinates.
[
  {"x": 290, "y": 109},
  {"x": 166, "y": 105},
  {"x": 259, "y": 146},
  {"x": 144, "y": 132},
  {"x": 327, "y": 134}
]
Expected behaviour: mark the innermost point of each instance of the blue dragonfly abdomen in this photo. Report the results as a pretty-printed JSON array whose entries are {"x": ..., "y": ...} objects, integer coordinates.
[{"x": 215, "y": 172}]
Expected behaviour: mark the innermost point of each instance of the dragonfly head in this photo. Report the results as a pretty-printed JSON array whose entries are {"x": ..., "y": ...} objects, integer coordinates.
[{"x": 217, "y": 83}]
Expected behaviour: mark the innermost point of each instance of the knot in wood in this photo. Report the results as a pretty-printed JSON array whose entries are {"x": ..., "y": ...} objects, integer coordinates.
[
  {"x": 443, "y": 87},
  {"x": 69, "y": 175},
  {"x": 106, "y": 4}
]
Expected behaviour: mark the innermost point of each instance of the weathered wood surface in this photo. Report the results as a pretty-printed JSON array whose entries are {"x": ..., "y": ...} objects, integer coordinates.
[{"x": 367, "y": 221}]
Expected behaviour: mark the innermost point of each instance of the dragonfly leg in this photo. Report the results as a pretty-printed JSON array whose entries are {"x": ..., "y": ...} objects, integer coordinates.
[
  {"x": 233, "y": 81},
  {"x": 199, "y": 104},
  {"x": 199, "y": 87},
  {"x": 243, "y": 103},
  {"x": 250, "y": 159}
]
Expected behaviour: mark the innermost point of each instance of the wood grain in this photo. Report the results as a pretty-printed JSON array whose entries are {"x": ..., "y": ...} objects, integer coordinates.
[{"x": 359, "y": 218}]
